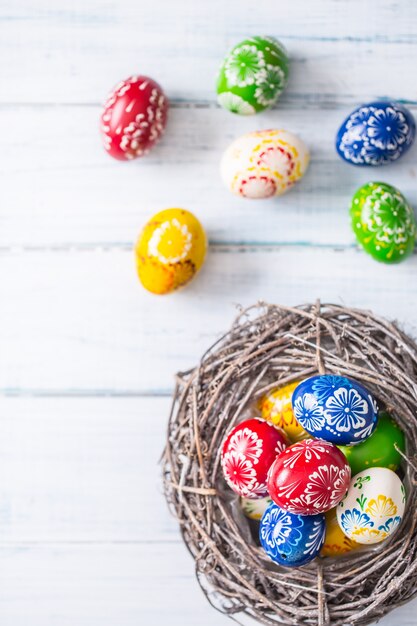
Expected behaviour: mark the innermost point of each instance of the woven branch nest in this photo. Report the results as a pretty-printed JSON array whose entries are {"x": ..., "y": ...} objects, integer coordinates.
[{"x": 270, "y": 346}]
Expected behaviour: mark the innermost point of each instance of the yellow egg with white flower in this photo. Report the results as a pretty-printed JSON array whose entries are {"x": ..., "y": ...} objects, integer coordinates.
[
  {"x": 336, "y": 542},
  {"x": 170, "y": 250},
  {"x": 276, "y": 407}
]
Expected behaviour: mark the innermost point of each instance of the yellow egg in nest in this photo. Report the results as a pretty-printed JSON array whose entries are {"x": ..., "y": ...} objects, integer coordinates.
[
  {"x": 170, "y": 250},
  {"x": 276, "y": 407},
  {"x": 335, "y": 542}
]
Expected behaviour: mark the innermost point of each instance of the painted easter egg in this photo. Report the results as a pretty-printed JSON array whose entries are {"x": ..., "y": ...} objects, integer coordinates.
[
  {"x": 335, "y": 542},
  {"x": 252, "y": 75},
  {"x": 335, "y": 408},
  {"x": 376, "y": 134},
  {"x": 383, "y": 222},
  {"x": 247, "y": 454},
  {"x": 254, "y": 509},
  {"x": 170, "y": 250},
  {"x": 133, "y": 118},
  {"x": 264, "y": 163},
  {"x": 379, "y": 450},
  {"x": 309, "y": 477},
  {"x": 276, "y": 407},
  {"x": 373, "y": 507},
  {"x": 289, "y": 539}
]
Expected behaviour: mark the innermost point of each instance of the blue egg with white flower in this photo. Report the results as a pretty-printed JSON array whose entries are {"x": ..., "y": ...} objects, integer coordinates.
[
  {"x": 376, "y": 134},
  {"x": 335, "y": 408},
  {"x": 289, "y": 539}
]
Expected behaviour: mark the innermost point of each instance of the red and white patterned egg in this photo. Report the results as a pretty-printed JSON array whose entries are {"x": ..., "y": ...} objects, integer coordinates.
[
  {"x": 247, "y": 454},
  {"x": 309, "y": 477},
  {"x": 134, "y": 117}
]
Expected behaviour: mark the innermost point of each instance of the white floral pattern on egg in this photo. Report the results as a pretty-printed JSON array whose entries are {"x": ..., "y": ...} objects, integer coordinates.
[
  {"x": 373, "y": 507},
  {"x": 376, "y": 134},
  {"x": 335, "y": 408}
]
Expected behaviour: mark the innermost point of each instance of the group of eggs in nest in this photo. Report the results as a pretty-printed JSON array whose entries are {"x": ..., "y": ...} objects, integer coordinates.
[
  {"x": 260, "y": 164},
  {"x": 317, "y": 469}
]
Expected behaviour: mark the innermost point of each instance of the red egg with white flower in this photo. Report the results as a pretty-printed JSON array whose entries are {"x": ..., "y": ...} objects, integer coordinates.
[
  {"x": 309, "y": 477},
  {"x": 134, "y": 118},
  {"x": 247, "y": 454}
]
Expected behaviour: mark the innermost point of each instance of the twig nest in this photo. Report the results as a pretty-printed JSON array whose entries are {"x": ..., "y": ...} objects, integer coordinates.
[{"x": 267, "y": 348}]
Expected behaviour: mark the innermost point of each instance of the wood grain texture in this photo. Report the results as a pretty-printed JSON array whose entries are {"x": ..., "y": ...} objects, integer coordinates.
[
  {"x": 83, "y": 471},
  {"x": 87, "y": 358},
  {"x": 103, "y": 585},
  {"x": 77, "y": 322},
  {"x": 340, "y": 51},
  {"x": 79, "y": 196},
  {"x": 85, "y": 534}
]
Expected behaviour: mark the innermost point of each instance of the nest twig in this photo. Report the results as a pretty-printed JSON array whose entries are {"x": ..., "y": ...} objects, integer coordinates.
[{"x": 270, "y": 346}]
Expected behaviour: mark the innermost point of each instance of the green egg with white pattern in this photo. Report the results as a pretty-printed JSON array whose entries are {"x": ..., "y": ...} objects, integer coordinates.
[
  {"x": 253, "y": 75},
  {"x": 383, "y": 222},
  {"x": 384, "y": 448}
]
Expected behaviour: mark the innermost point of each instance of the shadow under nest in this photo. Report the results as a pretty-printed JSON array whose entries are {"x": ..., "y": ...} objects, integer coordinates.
[{"x": 270, "y": 346}]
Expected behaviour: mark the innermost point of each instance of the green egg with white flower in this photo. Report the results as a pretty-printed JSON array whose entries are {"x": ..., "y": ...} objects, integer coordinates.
[
  {"x": 383, "y": 222},
  {"x": 253, "y": 75},
  {"x": 384, "y": 448}
]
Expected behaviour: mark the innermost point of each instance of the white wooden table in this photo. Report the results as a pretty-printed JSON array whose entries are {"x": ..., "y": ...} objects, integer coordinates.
[{"x": 86, "y": 356}]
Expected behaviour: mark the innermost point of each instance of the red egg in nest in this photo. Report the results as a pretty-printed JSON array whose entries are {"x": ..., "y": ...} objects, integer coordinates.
[
  {"x": 134, "y": 118},
  {"x": 247, "y": 454},
  {"x": 309, "y": 477}
]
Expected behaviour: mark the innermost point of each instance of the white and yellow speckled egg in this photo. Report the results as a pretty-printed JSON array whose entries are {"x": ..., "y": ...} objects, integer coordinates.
[
  {"x": 254, "y": 509},
  {"x": 264, "y": 163},
  {"x": 276, "y": 407}
]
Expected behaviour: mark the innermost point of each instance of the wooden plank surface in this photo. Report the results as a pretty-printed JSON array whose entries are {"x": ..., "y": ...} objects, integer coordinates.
[
  {"x": 103, "y": 585},
  {"x": 340, "y": 51},
  {"x": 78, "y": 196},
  {"x": 87, "y": 358},
  {"x": 83, "y": 470},
  {"x": 106, "y": 335},
  {"x": 85, "y": 534}
]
